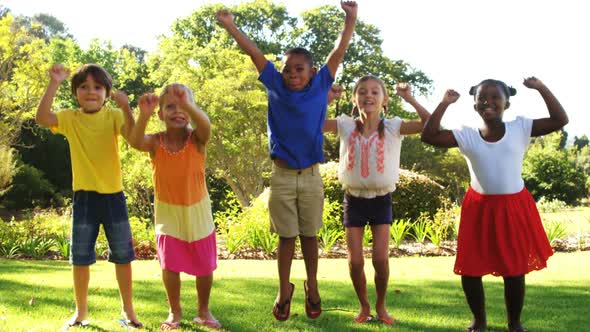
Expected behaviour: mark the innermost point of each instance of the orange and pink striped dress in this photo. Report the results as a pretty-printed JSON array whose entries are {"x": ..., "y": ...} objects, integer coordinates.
[{"x": 185, "y": 232}]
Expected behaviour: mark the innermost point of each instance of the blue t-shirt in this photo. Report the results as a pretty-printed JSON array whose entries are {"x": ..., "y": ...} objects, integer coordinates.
[{"x": 296, "y": 118}]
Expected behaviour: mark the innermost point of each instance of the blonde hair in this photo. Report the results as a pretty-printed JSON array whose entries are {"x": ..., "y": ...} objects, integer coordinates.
[{"x": 167, "y": 88}]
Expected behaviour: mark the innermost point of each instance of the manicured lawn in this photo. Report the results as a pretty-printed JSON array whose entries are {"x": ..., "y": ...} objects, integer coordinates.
[{"x": 429, "y": 297}]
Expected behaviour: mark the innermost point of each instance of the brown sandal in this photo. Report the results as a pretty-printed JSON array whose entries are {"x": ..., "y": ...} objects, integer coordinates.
[
  {"x": 282, "y": 311},
  {"x": 312, "y": 310}
]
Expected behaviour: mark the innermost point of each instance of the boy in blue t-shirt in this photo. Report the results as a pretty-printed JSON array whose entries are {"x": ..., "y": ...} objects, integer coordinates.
[{"x": 297, "y": 103}]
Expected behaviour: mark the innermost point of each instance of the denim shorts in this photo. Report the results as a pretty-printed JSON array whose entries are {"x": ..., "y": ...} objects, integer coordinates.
[
  {"x": 90, "y": 209},
  {"x": 359, "y": 212}
]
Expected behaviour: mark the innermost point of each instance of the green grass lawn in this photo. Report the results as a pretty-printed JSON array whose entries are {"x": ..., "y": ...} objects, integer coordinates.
[
  {"x": 429, "y": 297},
  {"x": 577, "y": 218}
]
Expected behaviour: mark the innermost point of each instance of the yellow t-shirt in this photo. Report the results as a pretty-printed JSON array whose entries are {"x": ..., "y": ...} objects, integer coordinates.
[{"x": 94, "y": 148}]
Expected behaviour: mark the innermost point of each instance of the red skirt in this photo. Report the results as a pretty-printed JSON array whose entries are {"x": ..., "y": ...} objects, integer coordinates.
[{"x": 500, "y": 235}]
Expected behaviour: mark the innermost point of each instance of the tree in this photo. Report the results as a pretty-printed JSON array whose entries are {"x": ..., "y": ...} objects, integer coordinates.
[
  {"x": 22, "y": 77},
  {"x": 580, "y": 142},
  {"x": 200, "y": 53}
]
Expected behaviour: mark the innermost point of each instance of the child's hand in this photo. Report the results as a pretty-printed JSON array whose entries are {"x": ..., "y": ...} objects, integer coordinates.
[
  {"x": 349, "y": 7},
  {"x": 120, "y": 98},
  {"x": 225, "y": 16},
  {"x": 58, "y": 73},
  {"x": 181, "y": 96},
  {"x": 404, "y": 90},
  {"x": 533, "y": 83},
  {"x": 450, "y": 96},
  {"x": 148, "y": 103},
  {"x": 335, "y": 93}
]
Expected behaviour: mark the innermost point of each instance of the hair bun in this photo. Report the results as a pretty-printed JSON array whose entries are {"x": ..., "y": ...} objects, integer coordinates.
[
  {"x": 472, "y": 90},
  {"x": 512, "y": 91}
]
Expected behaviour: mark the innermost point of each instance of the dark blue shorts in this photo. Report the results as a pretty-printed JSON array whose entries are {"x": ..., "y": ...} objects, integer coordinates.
[
  {"x": 90, "y": 209},
  {"x": 359, "y": 212}
]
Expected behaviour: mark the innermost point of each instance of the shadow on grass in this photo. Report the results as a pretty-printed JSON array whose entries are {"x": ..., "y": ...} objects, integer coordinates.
[{"x": 245, "y": 304}]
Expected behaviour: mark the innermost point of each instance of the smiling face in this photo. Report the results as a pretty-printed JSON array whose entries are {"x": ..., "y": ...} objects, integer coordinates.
[
  {"x": 297, "y": 71},
  {"x": 171, "y": 113},
  {"x": 490, "y": 101},
  {"x": 91, "y": 95},
  {"x": 370, "y": 96}
]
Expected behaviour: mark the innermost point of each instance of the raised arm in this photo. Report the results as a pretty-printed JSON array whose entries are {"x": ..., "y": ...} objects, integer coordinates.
[
  {"x": 432, "y": 134},
  {"x": 137, "y": 137},
  {"x": 404, "y": 90},
  {"x": 226, "y": 19},
  {"x": 337, "y": 54},
  {"x": 330, "y": 125},
  {"x": 198, "y": 117},
  {"x": 557, "y": 116},
  {"x": 122, "y": 102},
  {"x": 45, "y": 117}
]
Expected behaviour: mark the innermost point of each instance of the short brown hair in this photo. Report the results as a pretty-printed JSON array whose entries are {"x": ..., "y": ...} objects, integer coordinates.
[{"x": 98, "y": 74}]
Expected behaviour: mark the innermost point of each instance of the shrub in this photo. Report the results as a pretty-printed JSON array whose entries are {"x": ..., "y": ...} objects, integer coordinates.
[
  {"x": 550, "y": 205},
  {"x": 29, "y": 189},
  {"x": 548, "y": 173}
]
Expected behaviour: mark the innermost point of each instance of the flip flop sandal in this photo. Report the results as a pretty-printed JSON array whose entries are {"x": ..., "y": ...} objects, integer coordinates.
[
  {"x": 360, "y": 319},
  {"x": 283, "y": 311},
  {"x": 129, "y": 324},
  {"x": 386, "y": 320},
  {"x": 312, "y": 310},
  {"x": 210, "y": 323}
]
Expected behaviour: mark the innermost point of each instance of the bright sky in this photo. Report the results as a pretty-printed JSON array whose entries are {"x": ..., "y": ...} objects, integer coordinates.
[{"x": 457, "y": 43}]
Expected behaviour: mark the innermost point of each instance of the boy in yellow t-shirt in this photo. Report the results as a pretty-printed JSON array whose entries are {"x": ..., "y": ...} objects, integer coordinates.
[{"x": 92, "y": 133}]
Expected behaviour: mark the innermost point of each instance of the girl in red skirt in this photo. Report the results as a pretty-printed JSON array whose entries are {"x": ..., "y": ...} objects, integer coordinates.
[{"x": 500, "y": 231}]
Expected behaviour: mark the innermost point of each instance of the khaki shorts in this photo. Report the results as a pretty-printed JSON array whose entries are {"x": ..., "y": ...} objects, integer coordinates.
[{"x": 296, "y": 201}]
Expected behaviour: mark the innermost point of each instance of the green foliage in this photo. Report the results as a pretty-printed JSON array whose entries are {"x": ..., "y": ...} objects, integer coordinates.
[
  {"x": 548, "y": 173},
  {"x": 419, "y": 228},
  {"x": 232, "y": 231},
  {"x": 332, "y": 231},
  {"x": 415, "y": 194},
  {"x": 551, "y": 205},
  {"x": 400, "y": 229},
  {"x": 555, "y": 229},
  {"x": 255, "y": 218},
  {"x": 29, "y": 189},
  {"x": 22, "y": 77},
  {"x": 7, "y": 168},
  {"x": 367, "y": 238},
  {"x": 137, "y": 181},
  {"x": 444, "y": 224}
]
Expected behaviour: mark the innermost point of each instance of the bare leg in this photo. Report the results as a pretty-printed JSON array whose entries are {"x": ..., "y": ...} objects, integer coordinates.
[
  {"x": 285, "y": 253},
  {"x": 81, "y": 276},
  {"x": 474, "y": 293},
  {"x": 124, "y": 279},
  {"x": 204, "y": 285},
  {"x": 309, "y": 248},
  {"x": 356, "y": 263},
  {"x": 381, "y": 265},
  {"x": 172, "y": 284},
  {"x": 514, "y": 289}
]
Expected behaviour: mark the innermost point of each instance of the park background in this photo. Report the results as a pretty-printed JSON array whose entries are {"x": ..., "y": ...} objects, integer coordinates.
[{"x": 508, "y": 41}]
